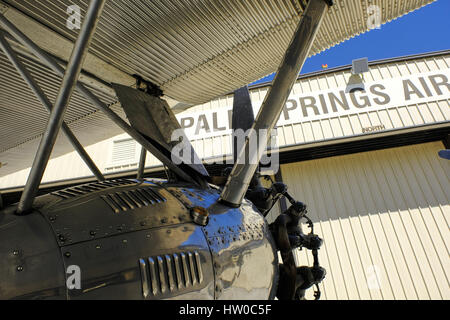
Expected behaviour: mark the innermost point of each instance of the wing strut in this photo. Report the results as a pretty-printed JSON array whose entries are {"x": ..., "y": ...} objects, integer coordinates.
[
  {"x": 12, "y": 56},
  {"x": 52, "y": 64},
  {"x": 296, "y": 54},
  {"x": 142, "y": 158},
  {"x": 57, "y": 114}
]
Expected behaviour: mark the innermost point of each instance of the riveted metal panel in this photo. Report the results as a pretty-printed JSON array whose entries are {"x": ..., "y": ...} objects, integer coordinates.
[
  {"x": 78, "y": 215},
  {"x": 29, "y": 252},
  {"x": 242, "y": 248},
  {"x": 141, "y": 265}
]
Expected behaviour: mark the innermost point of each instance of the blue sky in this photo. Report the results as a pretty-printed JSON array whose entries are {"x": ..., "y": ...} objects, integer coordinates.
[{"x": 424, "y": 30}]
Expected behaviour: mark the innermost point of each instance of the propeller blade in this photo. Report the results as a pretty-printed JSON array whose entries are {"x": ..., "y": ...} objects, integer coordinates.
[{"x": 242, "y": 117}]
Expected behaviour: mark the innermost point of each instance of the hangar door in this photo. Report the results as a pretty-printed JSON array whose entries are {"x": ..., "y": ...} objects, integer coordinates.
[{"x": 384, "y": 218}]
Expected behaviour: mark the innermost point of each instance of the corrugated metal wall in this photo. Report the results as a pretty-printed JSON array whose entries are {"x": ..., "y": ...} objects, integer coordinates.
[
  {"x": 296, "y": 135},
  {"x": 384, "y": 216}
]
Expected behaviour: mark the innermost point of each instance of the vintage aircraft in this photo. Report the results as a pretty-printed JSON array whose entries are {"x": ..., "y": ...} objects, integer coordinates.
[{"x": 130, "y": 66}]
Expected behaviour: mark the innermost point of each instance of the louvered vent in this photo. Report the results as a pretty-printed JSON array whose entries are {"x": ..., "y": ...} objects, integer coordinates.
[
  {"x": 73, "y": 192},
  {"x": 131, "y": 199},
  {"x": 170, "y": 273},
  {"x": 124, "y": 151}
]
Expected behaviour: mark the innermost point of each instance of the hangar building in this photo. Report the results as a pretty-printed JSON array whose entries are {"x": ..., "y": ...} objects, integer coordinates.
[{"x": 360, "y": 150}]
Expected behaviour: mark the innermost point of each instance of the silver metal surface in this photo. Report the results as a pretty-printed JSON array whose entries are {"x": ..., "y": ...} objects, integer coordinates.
[
  {"x": 142, "y": 158},
  {"x": 135, "y": 266},
  {"x": 169, "y": 279},
  {"x": 273, "y": 104},
  {"x": 152, "y": 252},
  {"x": 152, "y": 266},
  {"x": 245, "y": 259},
  {"x": 242, "y": 117},
  {"x": 144, "y": 278},
  {"x": 27, "y": 77},
  {"x": 57, "y": 113},
  {"x": 115, "y": 212},
  {"x": 132, "y": 199},
  {"x": 31, "y": 265},
  {"x": 152, "y": 117},
  {"x": 243, "y": 251}
]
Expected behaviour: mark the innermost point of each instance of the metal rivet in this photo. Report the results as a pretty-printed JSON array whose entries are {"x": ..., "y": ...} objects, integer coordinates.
[
  {"x": 67, "y": 254},
  {"x": 92, "y": 233},
  {"x": 61, "y": 238},
  {"x": 147, "y": 236},
  {"x": 97, "y": 247},
  {"x": 124, "y": 240},
  {"x": 19, "y": 268},
  {"x": 15, "y": 252}
]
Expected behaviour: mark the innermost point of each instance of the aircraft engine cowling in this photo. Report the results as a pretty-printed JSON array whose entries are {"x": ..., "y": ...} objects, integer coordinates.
[{"x": 125, "y": 239}]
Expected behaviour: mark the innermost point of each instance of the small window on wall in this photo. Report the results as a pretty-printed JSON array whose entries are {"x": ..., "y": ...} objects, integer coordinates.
[{"x": 124, "y": 152}]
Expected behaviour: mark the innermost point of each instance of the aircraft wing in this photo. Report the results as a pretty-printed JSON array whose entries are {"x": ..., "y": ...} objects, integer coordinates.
[{"x": 194, "y": 50}]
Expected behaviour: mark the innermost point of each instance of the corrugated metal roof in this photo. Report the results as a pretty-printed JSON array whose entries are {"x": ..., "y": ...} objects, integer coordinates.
[
  {"x": 198, "y": 50},
  {"x": 195, "y": 50},
  {"x": 23, "y": 117}
]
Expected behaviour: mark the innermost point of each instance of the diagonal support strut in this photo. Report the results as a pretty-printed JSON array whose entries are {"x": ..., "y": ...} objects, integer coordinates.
[
  {"x": 295, "y": 56},
  {"x": 140, "y": 173},
  {"x": 57, "y": 114},
  {"x": 51, "y": 63},
  {"x": 26, "y": 75}
]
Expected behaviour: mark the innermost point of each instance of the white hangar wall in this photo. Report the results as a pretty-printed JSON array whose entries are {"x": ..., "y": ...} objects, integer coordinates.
[
  {"x": 384, "y": 217},
  {"x": 384, "y": 214},
  {"x": 304, "y": 123},
  {"x": 402, "y": 95}
]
